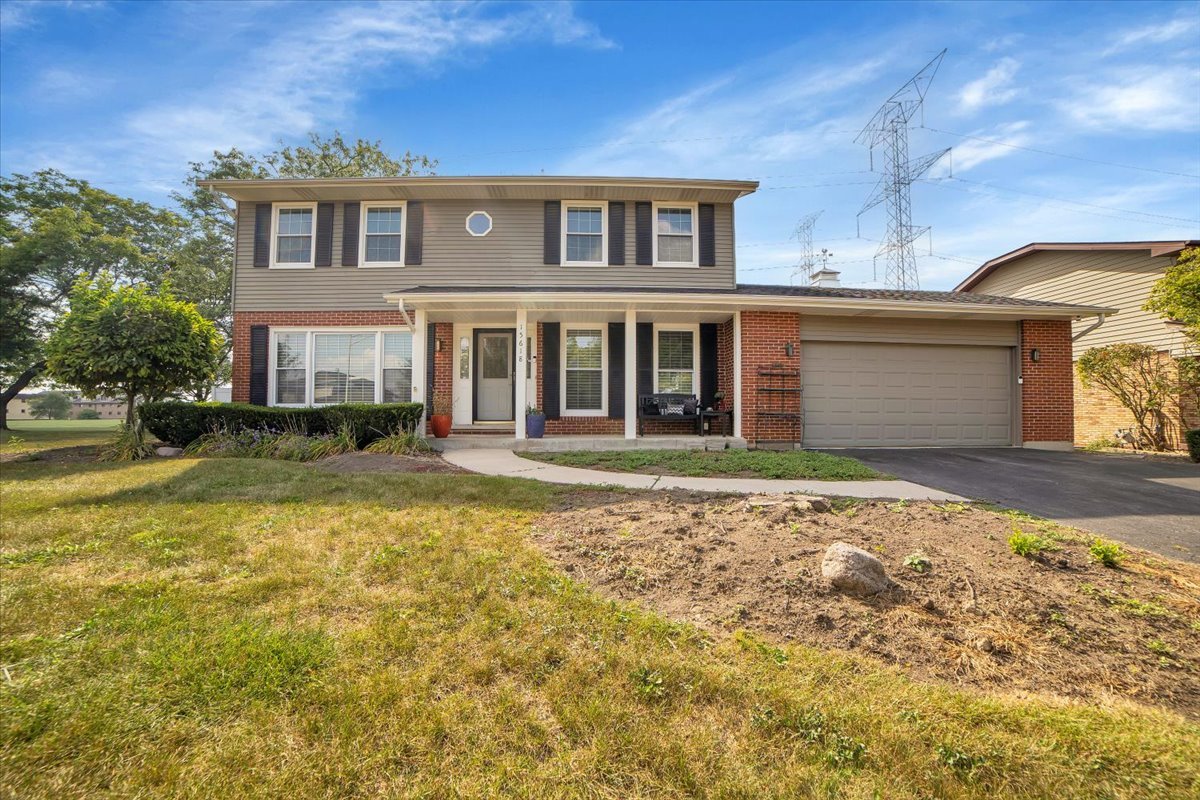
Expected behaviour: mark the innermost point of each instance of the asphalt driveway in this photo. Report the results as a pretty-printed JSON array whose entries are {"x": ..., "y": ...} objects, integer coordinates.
[{"x": 1151, "y": 503}]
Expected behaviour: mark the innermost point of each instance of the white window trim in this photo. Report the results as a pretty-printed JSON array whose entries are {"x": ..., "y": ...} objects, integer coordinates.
[
  {"x": 467, "y": 223},
  {"x": 569, "y": 204},
  {"x": 312, "y": 250},
  {"x": 695, "y": 329},
  {"x": 695, "y": 209},
  {"x": 362, "y": 232},
  {"x": 562, "y": 371},
  {"x": 310, "y": 360}
]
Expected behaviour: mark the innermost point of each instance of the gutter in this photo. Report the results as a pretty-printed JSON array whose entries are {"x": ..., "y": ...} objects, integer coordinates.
[{"x": 1099, "y": 321}]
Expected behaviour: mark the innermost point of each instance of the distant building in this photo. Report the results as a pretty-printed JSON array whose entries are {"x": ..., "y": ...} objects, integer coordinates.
[{"x": 106, "y": 407}]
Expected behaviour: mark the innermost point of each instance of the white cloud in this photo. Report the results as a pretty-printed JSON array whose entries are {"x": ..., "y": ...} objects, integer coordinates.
[
  {"x": 1161, "y": 98},
  {"x": 984, "y": 146},
  {"x": 1157, "y": 33},
  {"x": 18, "y": 14},
  {"x": 994, "y": 88}
]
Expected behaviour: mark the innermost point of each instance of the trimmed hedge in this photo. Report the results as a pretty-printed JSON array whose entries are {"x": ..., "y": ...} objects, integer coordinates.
[
  {"x": 180, "y": 424},
  {"x": 1193, "y": 444}
]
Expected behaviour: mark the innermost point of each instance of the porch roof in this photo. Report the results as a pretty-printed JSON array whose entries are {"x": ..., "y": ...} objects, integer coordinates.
[{"x": 841, "y": 301}]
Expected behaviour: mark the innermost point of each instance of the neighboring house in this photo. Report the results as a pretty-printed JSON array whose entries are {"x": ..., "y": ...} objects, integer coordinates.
[
  {"x": 584, "y": 296},
  {"x": 18, "y": 407},
  {"x": 1114, "y": 274}
]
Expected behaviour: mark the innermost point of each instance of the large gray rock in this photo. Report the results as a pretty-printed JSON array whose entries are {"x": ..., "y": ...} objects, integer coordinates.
[
  {"x": 852, "y": 569},
  {"x": 167, "y": 452}
]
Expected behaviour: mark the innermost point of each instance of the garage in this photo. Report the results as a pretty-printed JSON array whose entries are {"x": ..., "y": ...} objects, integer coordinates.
[{"x": 875, "y": 394}]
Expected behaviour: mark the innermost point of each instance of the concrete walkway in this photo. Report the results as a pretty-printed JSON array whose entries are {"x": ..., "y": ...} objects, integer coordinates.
[{"x": 509, "y": 464}]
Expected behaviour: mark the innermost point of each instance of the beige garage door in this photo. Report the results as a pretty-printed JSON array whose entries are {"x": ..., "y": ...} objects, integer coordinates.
[{"x": 866, "y": 394}]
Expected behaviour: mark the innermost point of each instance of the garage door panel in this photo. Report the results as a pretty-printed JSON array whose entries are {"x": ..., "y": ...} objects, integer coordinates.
[{"x": 880, "y": 394}]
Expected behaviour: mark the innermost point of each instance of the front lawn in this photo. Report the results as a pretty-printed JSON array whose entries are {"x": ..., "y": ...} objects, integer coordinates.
[
  {"x": 239, "y": 628},
  {"x": 33, "y": 435},
  {"x": 787, "y": 465}
]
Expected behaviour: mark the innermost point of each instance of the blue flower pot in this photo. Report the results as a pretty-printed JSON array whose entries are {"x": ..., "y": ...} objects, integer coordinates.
[{"x": 535, "y": 425}]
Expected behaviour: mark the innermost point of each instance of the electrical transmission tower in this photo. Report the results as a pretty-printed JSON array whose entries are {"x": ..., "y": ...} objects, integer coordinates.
[
  {"x": 889, "y": 128},
  {"x": 804, "y": 235}
]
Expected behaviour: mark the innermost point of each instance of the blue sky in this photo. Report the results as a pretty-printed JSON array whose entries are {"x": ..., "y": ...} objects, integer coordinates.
[{"x": 125, "y": 94}]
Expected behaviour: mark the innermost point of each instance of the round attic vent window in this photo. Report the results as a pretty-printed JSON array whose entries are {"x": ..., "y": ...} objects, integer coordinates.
[{"x": 479, "y": 223}]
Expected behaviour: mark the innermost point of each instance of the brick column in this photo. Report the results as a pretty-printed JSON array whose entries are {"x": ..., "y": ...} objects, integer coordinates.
[
  {"x": 765, "y": 335},
  {"x": 1047, "y": 390},
  {"x": 443, "y": 362}
]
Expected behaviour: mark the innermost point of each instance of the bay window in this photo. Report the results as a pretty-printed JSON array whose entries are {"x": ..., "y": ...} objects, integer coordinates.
[
  {"x": 292, "y": 244},
  {"x": 584, "y": 233},
  {"x": 583, "y": 368},
  {"x": 674, "y": 235},
  {"x": 675, "y": 362}
]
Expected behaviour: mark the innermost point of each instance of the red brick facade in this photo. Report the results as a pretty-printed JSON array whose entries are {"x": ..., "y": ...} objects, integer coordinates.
[
  {"x": 765, "y": 336},
  {"x": 1047, "y": 386},
  {"x": 443, "y": 365}
]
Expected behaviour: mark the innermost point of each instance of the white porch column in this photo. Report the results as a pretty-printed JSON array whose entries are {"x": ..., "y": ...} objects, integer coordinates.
[
  {"x": 419, "y": 348},
  {"x": 738, "y": 403},
  {"x": 520, "y": 389},
  {"x": 631, "y": 396}
]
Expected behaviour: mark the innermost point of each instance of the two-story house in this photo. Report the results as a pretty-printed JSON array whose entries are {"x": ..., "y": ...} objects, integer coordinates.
[
  {"x": 1115, "y": 274},
  {"x": 584, "y": 295}
]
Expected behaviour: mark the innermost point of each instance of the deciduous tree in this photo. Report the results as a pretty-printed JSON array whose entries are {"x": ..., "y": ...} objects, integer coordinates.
[
  {"x": 1139, "y": 379},
  {"x": 51, "y": 405}
]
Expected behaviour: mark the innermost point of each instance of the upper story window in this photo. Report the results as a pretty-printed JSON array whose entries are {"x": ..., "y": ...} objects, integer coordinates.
[
  {"x": 675, "y": 360},
  {"x": 585, "y": 233},
  {"x": 292, "y": 244},
  {"x": 674, "y": 235},
  {"x": 479, "y": 223},
  {"x": 382, "y": 234}
]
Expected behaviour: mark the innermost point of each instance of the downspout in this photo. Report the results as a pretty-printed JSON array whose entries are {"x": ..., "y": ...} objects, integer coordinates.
[{"x": 1089, "y": 329}]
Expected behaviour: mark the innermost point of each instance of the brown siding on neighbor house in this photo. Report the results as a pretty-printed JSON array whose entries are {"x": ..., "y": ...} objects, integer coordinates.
[
  {"x": 510, "y": 255},
  {"x": 1112, "y": 278}
]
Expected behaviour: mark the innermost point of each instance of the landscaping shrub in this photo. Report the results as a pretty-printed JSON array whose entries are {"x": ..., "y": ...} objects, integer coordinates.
[
  {"x": 399, "y": 443},
  {"x": 180, "y": 424},
  {"x": 287, "y": 446},
  {"x": 1193, "y": 444},
  {"x": 128, "y": 443},
  {"x": 89, "y": 413}
]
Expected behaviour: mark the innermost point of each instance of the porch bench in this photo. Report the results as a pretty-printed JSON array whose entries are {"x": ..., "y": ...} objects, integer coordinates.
[{"x": 669, "y": 406}]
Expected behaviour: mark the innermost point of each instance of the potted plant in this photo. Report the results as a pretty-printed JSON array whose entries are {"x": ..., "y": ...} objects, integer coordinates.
[
  {"x": 535, "y": 422},
  {"x": 717, "y": 398},
  {"x": 441, "y": 419}
]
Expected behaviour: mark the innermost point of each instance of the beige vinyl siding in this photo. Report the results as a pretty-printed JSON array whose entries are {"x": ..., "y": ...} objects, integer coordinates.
[
  {"x": 915, "y": 331},
  {"x": 511, "y": 255},
  {"x": 1114, "y": 278}
]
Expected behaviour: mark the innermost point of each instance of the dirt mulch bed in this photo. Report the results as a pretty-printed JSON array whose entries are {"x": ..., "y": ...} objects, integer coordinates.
[
  {"x": 58, "y": 455},
  {"x": 980, "y": 615},
  {"x": 380, "y": 462}
]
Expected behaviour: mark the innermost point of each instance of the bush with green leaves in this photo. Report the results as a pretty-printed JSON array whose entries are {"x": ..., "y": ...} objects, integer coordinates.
[
  {"x": 127, "y": 444},
  {"x": 89, "y": 413},
  {"x": 286, "y": 446},
  {"x": 180, "y": 424},
  {"x": 1109, "y": 554},
  {"x": 1193, "y": 444}
]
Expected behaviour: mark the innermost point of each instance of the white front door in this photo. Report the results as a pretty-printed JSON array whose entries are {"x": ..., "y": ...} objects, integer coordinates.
[{"x": 494, "y": 376}]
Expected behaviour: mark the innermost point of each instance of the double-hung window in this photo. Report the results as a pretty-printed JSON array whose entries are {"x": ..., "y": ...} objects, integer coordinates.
[
  {"x": 583, "y": 368},
  {"x": 585, "y": 233},
  {"x": 291, "y": 369},
  {"x": 674, "y": 235},
  {"x": 292, "y": 244},
  {"x": 675, "y": 362},
  {"x": 397, "y": 368},
  {"x": 383, "y": 235}
]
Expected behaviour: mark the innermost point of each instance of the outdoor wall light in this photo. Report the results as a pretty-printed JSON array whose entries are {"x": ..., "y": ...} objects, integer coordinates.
[
  {"x": 1035, "y": 355},
  {"x": 464, "y": 344},
  {"x": 790, "y": 349},
  {"x": 437, "y": 345}
]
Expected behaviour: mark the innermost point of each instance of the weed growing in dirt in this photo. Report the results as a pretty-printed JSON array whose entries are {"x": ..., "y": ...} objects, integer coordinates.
[
  {"x": 959, "y": 760},
  {"x": 845, "y": 751},
  {"x": 918, "y": 562},
  {"x": 1109, "y": 554},
  {"x": 649, "y": 683},
  {"x": 1130, "y": 605},
  {"x": 1028, "y": 545},
  {"x": 1160, "y": 648}
]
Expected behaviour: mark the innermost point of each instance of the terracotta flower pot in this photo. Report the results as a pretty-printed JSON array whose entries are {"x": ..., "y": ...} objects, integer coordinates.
[{"x": 440, "y": 425}]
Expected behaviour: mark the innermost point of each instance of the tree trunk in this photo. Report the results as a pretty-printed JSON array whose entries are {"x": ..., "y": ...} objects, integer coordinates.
[
  {"x": 12, "y": 391},
  {"x": 130, "y": 397}
]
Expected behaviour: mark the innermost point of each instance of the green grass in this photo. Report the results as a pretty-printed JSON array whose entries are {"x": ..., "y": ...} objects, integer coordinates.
[
  {"x": 787, "y": 465},
  {"x": 243, "y": 628},
  {"x": 33, "y": 435}
]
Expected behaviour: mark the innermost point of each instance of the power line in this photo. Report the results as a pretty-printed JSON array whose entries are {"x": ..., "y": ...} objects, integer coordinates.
[{"x": 1061, "y": 155}]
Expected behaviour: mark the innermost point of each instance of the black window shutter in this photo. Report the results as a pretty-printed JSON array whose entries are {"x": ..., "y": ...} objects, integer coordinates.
[
  {"x": 616, "y": 370},
  {"x": 708, "y": 235},
  {"x": 708, "y": 363},
  {"x": 551, "y": 233},
  {"x": 643, "y": 222},
  {"x": 262, "y": 234},
  {"x": 430, "y": 354},
  {"x": 324, "y": 253},
  {"x": 616, "y": 234},
  {"x": 260, "y": 338},
  {"x": 414, "y": 234},
  {"x": 350, "y": 213},
  {"x": 551, "y": 342},
  {"x": 645, "y": 358}
]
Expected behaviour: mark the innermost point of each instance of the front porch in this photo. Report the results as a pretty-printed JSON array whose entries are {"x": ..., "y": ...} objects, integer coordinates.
[{"x": 562, "y": 444}]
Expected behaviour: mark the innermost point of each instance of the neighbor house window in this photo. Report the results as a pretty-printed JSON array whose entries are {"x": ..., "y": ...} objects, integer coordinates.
[
  {"x": 383, "y": 235},
  {"x": 291, "y": 368},
  {"x": 397, "y": 367},
  {"x": 675, "y": 362},
  {"x": 292, "y": 245},
  {"x": 343, "y": 368},
  {"x": 584, "y": 233},
  {"x": 674, "y": 236},
  {"x": 583, "y": 367}
]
